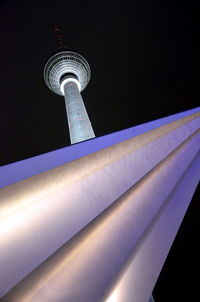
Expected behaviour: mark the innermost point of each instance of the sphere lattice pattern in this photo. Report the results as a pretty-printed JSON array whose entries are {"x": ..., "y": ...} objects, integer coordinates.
[{"x": 64, "y": 62}]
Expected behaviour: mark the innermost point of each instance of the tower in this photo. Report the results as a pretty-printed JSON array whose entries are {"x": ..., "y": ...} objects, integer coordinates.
[{"x": 67, "y": 73}]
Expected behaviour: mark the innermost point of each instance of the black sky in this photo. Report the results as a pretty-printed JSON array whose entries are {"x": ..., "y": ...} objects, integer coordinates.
[{"x": 145, "y": 62}]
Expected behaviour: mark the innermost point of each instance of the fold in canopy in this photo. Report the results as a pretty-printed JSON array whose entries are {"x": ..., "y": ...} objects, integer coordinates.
[{"x": 99, "y": 228}]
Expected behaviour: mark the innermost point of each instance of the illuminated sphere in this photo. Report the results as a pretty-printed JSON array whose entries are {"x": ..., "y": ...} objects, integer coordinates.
[{"x": 66, "y": 62}]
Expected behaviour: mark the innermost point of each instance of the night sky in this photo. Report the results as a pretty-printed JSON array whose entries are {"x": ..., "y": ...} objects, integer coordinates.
[{"x": 145, "y": 63}]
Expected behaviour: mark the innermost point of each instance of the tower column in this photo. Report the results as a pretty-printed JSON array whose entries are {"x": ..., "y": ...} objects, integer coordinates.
[
  {"x": 68, "y": 73},
  {"x": 80, "y": 128}
]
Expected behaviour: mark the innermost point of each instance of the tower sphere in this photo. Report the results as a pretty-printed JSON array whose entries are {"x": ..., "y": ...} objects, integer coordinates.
[{"x": 66, "y": 63}]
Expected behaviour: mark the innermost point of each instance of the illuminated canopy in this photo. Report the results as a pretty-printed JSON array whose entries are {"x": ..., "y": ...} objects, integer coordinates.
[{"x": 99, "y": 228}]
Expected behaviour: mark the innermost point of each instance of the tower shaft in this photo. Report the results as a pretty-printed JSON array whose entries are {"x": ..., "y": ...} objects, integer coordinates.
[{"x": 80, "y": 128}]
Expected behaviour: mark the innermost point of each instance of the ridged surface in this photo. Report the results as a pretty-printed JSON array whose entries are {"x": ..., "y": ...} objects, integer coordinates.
[{"x": 106, "y": 220}]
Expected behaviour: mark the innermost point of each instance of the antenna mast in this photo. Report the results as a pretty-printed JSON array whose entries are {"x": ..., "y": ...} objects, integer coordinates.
[{"x": 58, "y": 35}]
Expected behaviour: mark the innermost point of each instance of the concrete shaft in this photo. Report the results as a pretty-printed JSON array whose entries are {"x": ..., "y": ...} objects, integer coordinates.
[{"x": 80, "y": 128}]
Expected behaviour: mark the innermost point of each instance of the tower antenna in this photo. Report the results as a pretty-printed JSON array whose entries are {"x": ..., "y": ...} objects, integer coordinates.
[
  {"x": 67, "y": 73},
  {"x": 58, "y": 35}
]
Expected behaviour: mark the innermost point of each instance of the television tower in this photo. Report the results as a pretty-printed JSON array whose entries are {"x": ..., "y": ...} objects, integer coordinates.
[{"x": 67, "y": 73}]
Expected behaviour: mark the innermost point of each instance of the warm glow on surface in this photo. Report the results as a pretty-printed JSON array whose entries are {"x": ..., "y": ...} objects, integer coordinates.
[
  {"x": 114, "y": 297},
  {"x": 67, "y": 233},
  {"x": 11, "y": 223}
]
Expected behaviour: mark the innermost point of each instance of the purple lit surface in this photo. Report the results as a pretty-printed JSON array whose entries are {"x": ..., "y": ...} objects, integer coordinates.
[
  {"x": 134, "y": 176},
  {"x": 100, "y": 251},
  {"x": 26, "y": 168}
]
